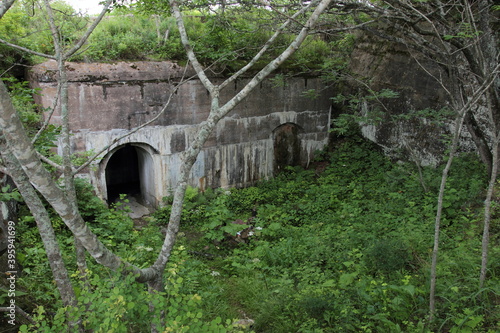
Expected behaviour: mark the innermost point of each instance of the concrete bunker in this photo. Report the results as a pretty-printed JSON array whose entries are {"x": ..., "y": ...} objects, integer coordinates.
[
  {"x": 242, "y": 149},
  {"x": 287, "y": 146},
  {"x": 129, "y": 169}
]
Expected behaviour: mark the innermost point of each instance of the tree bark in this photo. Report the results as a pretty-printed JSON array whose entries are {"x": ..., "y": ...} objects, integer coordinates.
[
  {"x": 217, "y": 112},
  {"x": 5, "y": 5},
  {"x": 479, "y": 138},
  {"x": 487, "y": 215},
  {"x": 42, "y": 180},
  {"x": 45, "y": 229},
  {"x": 437, "y": 225}
]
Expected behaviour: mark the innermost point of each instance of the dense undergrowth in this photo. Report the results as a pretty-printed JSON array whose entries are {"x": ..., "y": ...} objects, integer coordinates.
[
  {"x": 341, "y": 248},
  {"x": 224, "y": 43}
]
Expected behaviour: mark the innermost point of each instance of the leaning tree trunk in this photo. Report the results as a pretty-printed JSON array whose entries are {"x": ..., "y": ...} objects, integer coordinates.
[
  {"x": 487, "y": 216},
  {"x": 42, "y": 180},
  {"x": 49, "y": 240},
  {"x": 217, "y": 112},
  {"x": 487, "y": 202},
  {"x": 437, "y": 224}
]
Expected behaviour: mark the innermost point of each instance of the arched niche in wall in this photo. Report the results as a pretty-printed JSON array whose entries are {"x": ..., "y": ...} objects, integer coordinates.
[
  {"x": 129, "y": 169},
  {"x": 287, "y": 146}
]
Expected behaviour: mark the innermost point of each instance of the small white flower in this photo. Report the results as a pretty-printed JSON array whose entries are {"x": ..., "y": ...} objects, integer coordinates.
[
  {"x": 215, "y": 273},
  {"x": 258, "y": 228},
  {"x": 250, "y": 233}
]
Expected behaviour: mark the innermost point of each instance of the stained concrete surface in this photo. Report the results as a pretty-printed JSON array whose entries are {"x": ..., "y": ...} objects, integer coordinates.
[{"x": 137, "y": 210}]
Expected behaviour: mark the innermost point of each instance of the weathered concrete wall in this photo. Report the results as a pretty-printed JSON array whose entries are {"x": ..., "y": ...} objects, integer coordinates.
[
  {"x": 107, "y": 100},
  {"x": 401, "y": 132}
]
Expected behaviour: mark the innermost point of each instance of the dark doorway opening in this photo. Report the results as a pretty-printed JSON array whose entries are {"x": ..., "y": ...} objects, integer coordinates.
[
  {"x": 122, "y": 173},
  {"x": 286, "y": 146}
]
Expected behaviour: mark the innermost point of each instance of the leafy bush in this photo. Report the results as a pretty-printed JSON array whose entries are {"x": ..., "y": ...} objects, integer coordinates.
[
  {"x": 22, "y": 97},
  {"x": 348, "y": 250},
  {"x": 388, "y": 255},
  {"x": 118, "y": 304},
  {"x": 345, "y": 250}
]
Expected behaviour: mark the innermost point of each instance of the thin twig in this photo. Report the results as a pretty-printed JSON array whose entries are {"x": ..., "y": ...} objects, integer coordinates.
[
  {"x": 51, "y": 113},
  {"x": 21, "y": 312},
  {"x": 49, "y": 161},
  {"x": 263, "y": 50},
  {"x": 24, "y": 49}
]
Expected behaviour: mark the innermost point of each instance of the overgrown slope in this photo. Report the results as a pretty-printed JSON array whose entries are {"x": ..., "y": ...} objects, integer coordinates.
[
  {"x": 341, "y": 248},
  {"x": 345, "y": 250}
]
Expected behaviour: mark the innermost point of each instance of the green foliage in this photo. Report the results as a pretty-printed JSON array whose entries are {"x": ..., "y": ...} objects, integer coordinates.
[
  {"x": 436, "y": 117},
  {"x": 312, "y": 55},
  {"x": 117, "y": 303},
  {"x": 31, "y": 256},
  {"x": 27, "y": 26},
  {"x": 388, "y": 256},
  {"x": 14, "y": 24},
  {"x": 22, "y": 97},
  {"x": 132, "y": 37},
  {"x": 348, "y": 250},
  {"x": 361, "y": 109},
  {"x": 345, "y": 250},
  {"x": 89, "y": 205},
  {"x": 225, "y": 41},
  {"x": 464, "y": 30},
  {"x": 7, "y": 194}
]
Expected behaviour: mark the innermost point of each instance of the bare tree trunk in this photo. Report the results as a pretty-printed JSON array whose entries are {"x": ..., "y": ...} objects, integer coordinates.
[
  {"x": 437, "y": 224},
  {"x": 217, "y": 112},
  {"x": 479, "y": 138},
  {"x": 158, "y": 32},
  {"x": 487, "y": 215},
  {"x": 487, "y": 202},
  {"x": 5, "y": 5},
  {"x": 45, "y": 229}
]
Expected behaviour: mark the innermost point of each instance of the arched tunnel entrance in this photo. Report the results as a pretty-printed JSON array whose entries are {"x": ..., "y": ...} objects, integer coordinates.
[
  {"x": 122, "y": 173},
  {"x": 130, "y": 171}
]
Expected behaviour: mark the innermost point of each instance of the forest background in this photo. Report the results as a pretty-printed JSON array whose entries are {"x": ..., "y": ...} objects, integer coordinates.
[{"x": 347, "y": 245}]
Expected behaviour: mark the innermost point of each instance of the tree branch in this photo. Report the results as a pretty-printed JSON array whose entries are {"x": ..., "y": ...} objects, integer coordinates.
[
  {"x": 189, "y": 49},
  {"x": 24, "y": 49},
  {"x": 21, "y": 312},
  {"x": 89, "y": 31},
  {"x": 264, "y": 49},
  {"x": 51, "y": 113},
  {"x": 5, "y": 5}
]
